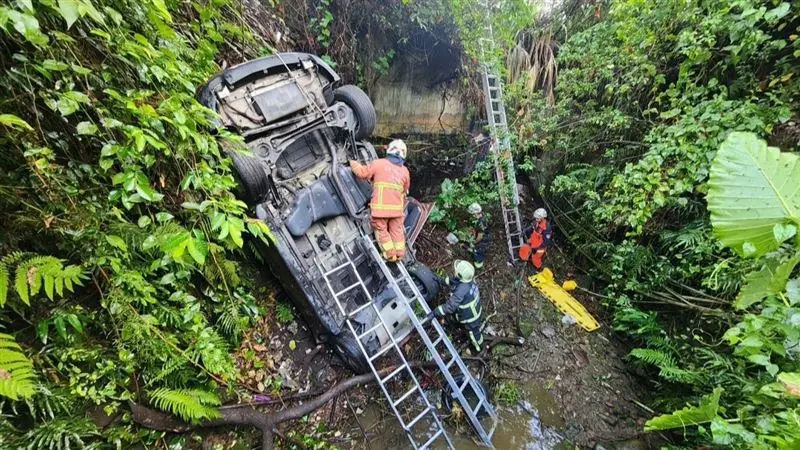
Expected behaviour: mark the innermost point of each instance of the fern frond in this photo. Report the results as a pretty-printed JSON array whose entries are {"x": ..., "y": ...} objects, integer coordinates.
[
  {"x": 62, "y": 434},
  {"x": 675, "y": 374},
  {"x": 169, "y": 369},
  {"x": 668, "y": 367},
  {"x": 654, "y": 357},
  {"x": 47, "y": 402},
  {"x": 4, "y": 278},
  {"x": 212, "y": 349},
  {"x": 189, "y": 404},
  {"x": 222, "y": 269},
  {"x": 36, "y": 272},
  {"x": 230, "y": 320},
  {"x": 17, "y": 378}
]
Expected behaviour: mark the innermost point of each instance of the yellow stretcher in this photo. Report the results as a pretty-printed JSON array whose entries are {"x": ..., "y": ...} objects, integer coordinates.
[{"x": 562, "y": 299}]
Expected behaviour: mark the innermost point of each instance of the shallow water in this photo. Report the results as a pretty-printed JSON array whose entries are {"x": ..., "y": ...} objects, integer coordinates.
[{"x": 533, "y": 424}]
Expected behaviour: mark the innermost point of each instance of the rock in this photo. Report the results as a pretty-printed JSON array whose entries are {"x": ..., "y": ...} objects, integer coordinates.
[
  {"x": 292, "y": 327},
  {"x": 286, "y": 376},
  {"x": 548, "y": 332},
  {"x": 568, "y": 320},
  {"x": 525, "y": 327},
  {"x": 451, "y": 239}
]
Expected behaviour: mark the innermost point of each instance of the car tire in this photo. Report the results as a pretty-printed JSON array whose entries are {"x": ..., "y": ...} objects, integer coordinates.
[
  {"x": 251, "y": 176},
  {"x": 425, "y": 280},
  {"x": 347, "y": 349},
  {"x": 362, "y": 106}
]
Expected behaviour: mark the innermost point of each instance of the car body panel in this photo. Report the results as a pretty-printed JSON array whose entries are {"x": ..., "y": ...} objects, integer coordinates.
[{"x": 317, "y": 210}]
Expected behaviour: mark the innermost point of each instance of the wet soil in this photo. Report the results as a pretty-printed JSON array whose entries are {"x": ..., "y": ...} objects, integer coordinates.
[{"x": 573, "y": 387}]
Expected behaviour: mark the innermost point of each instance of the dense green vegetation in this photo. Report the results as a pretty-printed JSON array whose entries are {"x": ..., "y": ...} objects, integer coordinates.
[
  {"x": 118, "y": 273},
  {"x": 622, "y": 146},
  {"x": 116, "y": 282}
]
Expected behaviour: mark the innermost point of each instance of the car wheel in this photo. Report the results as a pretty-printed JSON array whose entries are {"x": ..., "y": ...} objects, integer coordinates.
[
  {"x": 358, "y": 100},
  {"x": 347, "y": 349},
  {"x": 425, "y": 280},
  {"x": 251, "y": 176}
]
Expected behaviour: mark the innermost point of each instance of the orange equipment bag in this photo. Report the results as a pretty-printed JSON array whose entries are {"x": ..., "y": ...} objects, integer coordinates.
[{"x": 525, "y": 252}]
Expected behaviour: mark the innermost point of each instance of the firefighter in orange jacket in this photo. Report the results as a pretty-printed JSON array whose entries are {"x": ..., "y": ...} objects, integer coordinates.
[
  {"x": 390, "y": 183},
  {"x": 539, "y": 237}
]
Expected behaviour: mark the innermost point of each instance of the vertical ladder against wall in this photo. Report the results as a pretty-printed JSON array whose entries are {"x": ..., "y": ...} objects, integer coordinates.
[
  {"x": 411, "y": 406},
  {"x": 500, "y": 150}
]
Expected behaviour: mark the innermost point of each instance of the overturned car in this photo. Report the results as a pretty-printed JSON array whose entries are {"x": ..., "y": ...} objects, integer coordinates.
[{"x": 301, "y": 128}]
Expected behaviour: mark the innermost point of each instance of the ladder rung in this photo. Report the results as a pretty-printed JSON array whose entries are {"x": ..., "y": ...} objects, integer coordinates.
[
  {"x": 337, "y": 268},
  {"x": 433, "y": 438},
  {"x": 477, "y": 407},
  {"x": 436, "y": 342},
  {"x": 394, "y": 372},
  {"x": 366, "y": 333},
  {"x": 359, "y": 309},
  {"x": 346, "y": 289},
  {"x": 464, "y": 386},
  {"x": 380, "y": 352},
  {"x": 405, "y": 396},
  {"x": 417, "y": 419},
  {"x": 450, "y": 364}
]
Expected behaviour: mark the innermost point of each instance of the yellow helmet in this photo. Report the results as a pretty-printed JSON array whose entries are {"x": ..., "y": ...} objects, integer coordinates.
[{"x": 464, "y": 270}]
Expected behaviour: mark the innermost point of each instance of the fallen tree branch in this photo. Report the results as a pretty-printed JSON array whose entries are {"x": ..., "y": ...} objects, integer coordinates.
[
  {"x": 497, "y": 340},
  {"x": 249, "y": 416}
]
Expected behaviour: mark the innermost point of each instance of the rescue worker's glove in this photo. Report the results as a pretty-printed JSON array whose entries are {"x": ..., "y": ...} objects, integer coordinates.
[
  {"x": 443, "y": 281},
  {"x": 438, "y": 312},
  {"x": 429, "y": 317}
]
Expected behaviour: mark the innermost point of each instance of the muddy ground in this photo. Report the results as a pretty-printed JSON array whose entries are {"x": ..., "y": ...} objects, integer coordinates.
[{"x": 563, "y": 386}]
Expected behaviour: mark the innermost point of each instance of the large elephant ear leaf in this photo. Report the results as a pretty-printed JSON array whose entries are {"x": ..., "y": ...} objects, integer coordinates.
[{"x": 753, "y": 195}]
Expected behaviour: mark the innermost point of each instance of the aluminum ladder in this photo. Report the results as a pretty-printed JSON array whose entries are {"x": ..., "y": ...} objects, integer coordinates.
[
  {"x": 432, "y": 429},
  {"x": 500, "y": 150}
]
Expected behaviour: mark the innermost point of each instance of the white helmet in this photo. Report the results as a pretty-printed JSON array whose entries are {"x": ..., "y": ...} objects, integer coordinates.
[
  {"x": 398, "y": 148},
  {"x": 474, "y": 209},
  {"x": 540, "y": 214},
  {"x": 464, "y": 270}
]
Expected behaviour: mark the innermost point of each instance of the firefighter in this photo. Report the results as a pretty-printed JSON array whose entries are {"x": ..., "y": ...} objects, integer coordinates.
[
  {"x": 539, "y": 236},
  {"x": 480, "y": 235},
  {"x": 464, "y": 302},
  {"x": 390, "y": 183}
]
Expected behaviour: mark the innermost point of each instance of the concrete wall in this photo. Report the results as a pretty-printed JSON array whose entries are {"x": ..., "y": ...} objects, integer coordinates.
[{"x": 406, "y": 107}]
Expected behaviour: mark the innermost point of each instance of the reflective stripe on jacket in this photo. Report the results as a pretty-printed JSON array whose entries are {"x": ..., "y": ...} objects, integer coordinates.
[
  {"x": 390, "y": 184},
  {"x": 465, "y": 301}
]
